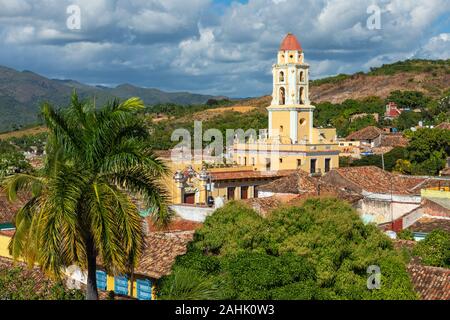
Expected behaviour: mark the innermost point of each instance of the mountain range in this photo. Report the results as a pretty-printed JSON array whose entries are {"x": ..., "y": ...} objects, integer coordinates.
[{"x": 21, "y": 94}]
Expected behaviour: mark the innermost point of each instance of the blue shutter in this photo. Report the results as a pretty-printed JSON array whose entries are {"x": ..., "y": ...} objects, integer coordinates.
[
  {"x": 121, "y": 285},
  {"x": 101, "y": 279},
  {"x": 144, "y": 289}
]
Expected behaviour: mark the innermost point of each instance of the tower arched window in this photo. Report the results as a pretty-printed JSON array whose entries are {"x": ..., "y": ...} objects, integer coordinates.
[
  {"x": 281, "y": 78},
  {"x": 300, "y": 95},
  {"x": 282, "y": 96},
  {"x": 302, "y": 76}
]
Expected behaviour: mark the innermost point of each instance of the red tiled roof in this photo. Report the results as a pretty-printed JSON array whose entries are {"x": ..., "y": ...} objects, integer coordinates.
[
  {"x": 248, "y": 174},
  {"x": 176, "y": 225},
  {"x": 368, "y": 133},
  {"x": 161, "y": 250},
  {"x": 393, "y": 140},
  {"x": 374, "y": 179},
  {"x": 393, "y": 112},
  {"x": 290, "y": 42},
  {"x": 8, "y": 209},
  {"x": 443, "y": 125},
  {"x": 427, "y": 225},
  {"x": 430, "y": 282},
  {"x": 445, "y": 172},
  {"x": 295, "y": 183}
]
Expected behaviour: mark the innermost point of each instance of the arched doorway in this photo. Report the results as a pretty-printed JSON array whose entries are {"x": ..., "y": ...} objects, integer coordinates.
[
  {"x": 282, "y": 96},
  {"x": 300, "y": 95}
]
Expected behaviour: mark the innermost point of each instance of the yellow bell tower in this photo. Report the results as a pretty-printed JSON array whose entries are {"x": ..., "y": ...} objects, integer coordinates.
[
  {"x": 290, "y": 113},
  {"x": 291, "y": 142}
]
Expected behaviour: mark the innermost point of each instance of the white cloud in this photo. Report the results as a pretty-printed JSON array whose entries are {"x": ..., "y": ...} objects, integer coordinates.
[
  {"x": 9, "y": 8},
  {"x": 185, "y": 45},
  {"x": 438, "y": 47}
]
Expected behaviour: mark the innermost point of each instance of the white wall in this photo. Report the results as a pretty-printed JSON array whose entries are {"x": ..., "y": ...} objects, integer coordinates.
[{"x": 192, "y": 213}]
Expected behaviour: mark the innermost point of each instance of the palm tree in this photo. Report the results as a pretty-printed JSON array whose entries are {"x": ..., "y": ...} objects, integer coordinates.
[{"x": 80, "y": 206}]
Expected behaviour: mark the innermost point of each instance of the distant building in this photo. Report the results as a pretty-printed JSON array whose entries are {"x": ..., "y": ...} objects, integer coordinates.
[
  {"x": 392, "y": 111},
  {"x": 443, "y": 125},
  {"x": 373, "y": 140},
  {"x": 385, "y": 196},
  {"x": 446, "y": 171}
]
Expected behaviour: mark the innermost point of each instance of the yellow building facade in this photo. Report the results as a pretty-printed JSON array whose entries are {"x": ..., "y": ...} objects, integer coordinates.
[
  {"x": 291, "y": 141},
  {"x": 288, "y": 144}
]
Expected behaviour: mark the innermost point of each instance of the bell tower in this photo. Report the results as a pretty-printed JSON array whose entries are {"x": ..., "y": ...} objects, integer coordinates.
[{"x": 290, "y": 113}]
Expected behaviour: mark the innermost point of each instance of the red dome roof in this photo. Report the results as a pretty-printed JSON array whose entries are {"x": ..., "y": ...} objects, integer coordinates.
[{"x": 290, "y": 43}]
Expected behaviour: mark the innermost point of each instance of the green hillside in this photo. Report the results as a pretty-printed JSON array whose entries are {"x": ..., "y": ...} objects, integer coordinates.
[{"x": 21, "y": 93}]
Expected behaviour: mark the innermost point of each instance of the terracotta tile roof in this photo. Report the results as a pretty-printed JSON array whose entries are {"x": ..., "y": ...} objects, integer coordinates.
[
  {"x": 430, "y": 282},
  {"x": 400, "y": 243},
  {"x": 176, "y": 225},
  {"x": 8, "y": 209},
  {"x": 41, "y": 280},
  {"x": 376, "y": 180},
  {"x": 304, "y": 186},
  {"x": 393, "y": 140},
  {"x": 431, "y": 182},
  {"x": 368, "y": 133},
  {"x": 295, "y": 183},
  {"x": 248, "y": 174},
  {"x": 443, "y": 125},
  {"x": 161, "y": 250},
  {"x": 427, "y": 225},
  {"x": 290, "y": 42},
  {"x": 393, "y": 112},
  {"x": 445, "y": 172},
  {"x": 265, "y": 205}
]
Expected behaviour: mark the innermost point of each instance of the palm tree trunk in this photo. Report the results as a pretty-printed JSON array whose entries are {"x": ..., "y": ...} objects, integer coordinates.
[{"x": 91, "y": 288}]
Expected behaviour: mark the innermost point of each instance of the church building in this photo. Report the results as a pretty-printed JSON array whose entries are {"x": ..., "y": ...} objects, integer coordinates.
[{"x": 290, "y": 143}]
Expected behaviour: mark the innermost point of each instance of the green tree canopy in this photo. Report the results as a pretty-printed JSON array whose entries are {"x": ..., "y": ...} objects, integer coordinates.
[
  {"x": 320, "y": 250},
  {"x": 434, "y": 249},
  {"x": 409, "y": 99}
]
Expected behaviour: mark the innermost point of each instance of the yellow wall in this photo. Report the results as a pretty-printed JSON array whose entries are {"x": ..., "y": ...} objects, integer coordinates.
[
  {"x": 4, "y": 242},
  {"x": 443, "y": 193}
]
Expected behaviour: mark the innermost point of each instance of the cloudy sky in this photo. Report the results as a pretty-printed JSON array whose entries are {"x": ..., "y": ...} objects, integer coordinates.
[{"x": 216, "y": 47}]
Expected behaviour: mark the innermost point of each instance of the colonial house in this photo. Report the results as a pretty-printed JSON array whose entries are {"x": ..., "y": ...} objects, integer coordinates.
[
  {"x": 159, "y": 254},
  {"x": 386, "y": 196},
  {"x": 365, "y": 136},
  {"x": 392, "y": 111},
  {"x": 375, "y": 140}
]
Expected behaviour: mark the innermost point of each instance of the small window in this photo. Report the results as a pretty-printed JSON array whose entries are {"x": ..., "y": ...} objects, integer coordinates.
[
  {"x": 281, "y": 129},
  {"x": 302, "y": 121},
  {"x": 268, "y": 164},
  {"x": 282, "y": 96},
  {"x": 121, "y": 285},
  {"x": 327, "y": 165},
  {"x": 101, "y": 280},
  {"x": 313, "y": 166},
  {"x": 144, "y": 289},
  {"x": 300, "y": 95},
  {"x": 230, "y": 193},
  {"x": 281, "y": 160},
  {"x": 253, "y": 161},
  {"x": 299, "y": 163}
]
